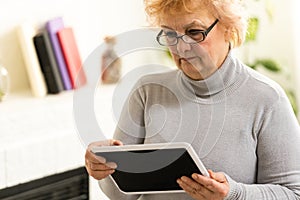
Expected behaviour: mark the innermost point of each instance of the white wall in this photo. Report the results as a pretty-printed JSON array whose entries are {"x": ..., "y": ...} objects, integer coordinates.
[
  {"x": 90, "y": 19},
  {"x": 278, "y": 39},
  {"x": 274, "y": 38},
  {"x": 296, "y": 45}
]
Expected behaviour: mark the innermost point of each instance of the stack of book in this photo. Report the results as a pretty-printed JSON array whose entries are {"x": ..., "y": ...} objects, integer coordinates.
[{"x": 51, "y": 57}]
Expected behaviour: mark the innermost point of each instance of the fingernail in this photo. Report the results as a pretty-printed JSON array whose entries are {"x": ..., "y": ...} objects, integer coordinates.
[
  {"x": 179, "y": 181},
  {"x": 194, "y": 176},
  {"x": 101, "y": 159},
  {"x": 184, "y": 178},
  {"x": 111, "y": 165}
]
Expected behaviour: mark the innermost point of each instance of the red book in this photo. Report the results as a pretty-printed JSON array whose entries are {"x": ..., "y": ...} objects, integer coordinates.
[{"x": 71, "y": 54}]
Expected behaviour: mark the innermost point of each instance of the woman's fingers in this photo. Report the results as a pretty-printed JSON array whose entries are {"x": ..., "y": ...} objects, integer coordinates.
[
  {"x": 116, "y": 142},
  {"x": 97, "y": 166},
  {"x": 193, "y": 192},
  {"x": 192, "y": 187},
  {"x": 102, "y": 167},
  {"x": 98, "y": 175},
  {"x": 220, "y": 177},
  {"x": 110, "y": 142},
  {"x": 91, "y": 157},
  {"x": 200, "y": 187},
  {"x": 95, "y": 159},
  {"x": 211, "y": 183},
  {"x": 99, "y": 170}
]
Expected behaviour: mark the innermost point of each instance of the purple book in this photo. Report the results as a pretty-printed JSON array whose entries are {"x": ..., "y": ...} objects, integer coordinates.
[{"x": 53, "y": 26}]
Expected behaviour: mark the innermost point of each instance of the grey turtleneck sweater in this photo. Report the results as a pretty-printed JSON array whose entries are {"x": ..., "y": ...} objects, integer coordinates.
[{"x": 238, "y": 121}]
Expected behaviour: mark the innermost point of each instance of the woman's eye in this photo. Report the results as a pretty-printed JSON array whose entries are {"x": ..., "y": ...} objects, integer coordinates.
[
  {"x": 171, "y": 34},
  {"x": 194, "y": 32}
]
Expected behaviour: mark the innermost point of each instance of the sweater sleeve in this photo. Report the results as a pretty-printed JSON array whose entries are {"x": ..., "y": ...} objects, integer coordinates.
[
  {"x": 130, "y": 130},
  {"x": 278, "y": 153},
  {"x": 131, "y": 124}
]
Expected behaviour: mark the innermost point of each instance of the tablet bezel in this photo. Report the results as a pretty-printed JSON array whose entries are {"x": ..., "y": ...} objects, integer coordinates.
[{"x": 156, "y": 146}]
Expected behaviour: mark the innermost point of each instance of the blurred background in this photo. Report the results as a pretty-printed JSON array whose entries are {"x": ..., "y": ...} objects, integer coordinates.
[{"x": 38, "y": 138}]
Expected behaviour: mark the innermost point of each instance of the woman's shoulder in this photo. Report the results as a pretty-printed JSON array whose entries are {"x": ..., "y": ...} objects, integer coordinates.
[
  {"x": 264, "y": 85},
  {"x": 159, "y": 77},
  {"x": 156, "y": 81}
]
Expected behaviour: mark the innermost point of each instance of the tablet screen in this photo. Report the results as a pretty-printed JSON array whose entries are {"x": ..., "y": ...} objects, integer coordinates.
[{"x": 150, "y": 170}]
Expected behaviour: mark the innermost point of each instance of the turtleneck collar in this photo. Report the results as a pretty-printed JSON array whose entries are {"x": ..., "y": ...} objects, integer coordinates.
[{"x": 215, "y": 87}]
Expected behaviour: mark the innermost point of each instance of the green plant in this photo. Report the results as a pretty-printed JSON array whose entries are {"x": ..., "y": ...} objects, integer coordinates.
[
  {"x": 252, "y": 29},
  {"x": 267, "y": 63}
]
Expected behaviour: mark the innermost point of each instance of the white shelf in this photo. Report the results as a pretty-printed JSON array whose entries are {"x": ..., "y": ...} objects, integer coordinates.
[{"x": 39, "y": 137}]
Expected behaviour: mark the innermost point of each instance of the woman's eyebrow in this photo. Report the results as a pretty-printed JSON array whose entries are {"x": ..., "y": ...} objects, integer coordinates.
[
  {"x": 195, "y": 22},
  {"x": 164, "y": 26}
]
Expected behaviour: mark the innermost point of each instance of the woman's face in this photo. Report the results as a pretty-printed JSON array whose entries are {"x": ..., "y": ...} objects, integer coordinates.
[{"x": 199, "y": 60}]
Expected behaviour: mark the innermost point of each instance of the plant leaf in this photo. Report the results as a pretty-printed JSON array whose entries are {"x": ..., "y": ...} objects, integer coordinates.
[
  {"x": 269, "y": 64},
  {"x": 253, "y": 23}
]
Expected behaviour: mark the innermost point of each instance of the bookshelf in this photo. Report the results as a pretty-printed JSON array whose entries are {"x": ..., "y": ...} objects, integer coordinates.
[{"x": 90, "y": 21}]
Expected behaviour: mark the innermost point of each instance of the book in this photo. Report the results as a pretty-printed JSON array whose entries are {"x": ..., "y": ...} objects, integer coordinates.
[
  {"x": 72, "y": 57},
  {"x": 48, "y": 63},
  {"x": 25, "y": 33},
  {"x": 53, "y": 26}
]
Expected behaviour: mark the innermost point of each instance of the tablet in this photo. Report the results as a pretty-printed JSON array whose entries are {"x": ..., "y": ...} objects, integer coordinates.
[{"x": 151, "y": 168}]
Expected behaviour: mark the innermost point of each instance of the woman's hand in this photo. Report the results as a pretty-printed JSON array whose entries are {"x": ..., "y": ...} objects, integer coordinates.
[
  {"x": 96, "y": 166},
  {"x": 215, "y": 187}
]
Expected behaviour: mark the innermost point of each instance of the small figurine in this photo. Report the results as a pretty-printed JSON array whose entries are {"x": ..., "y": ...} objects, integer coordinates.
[{"x": 111, "y": 63}]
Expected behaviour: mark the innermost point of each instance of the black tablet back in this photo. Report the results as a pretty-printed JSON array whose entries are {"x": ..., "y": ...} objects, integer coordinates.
[{"x": 144, "y": 171}]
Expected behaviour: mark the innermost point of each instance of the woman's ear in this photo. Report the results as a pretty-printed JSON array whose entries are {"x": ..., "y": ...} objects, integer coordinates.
[{"x": 227, "y": 34}]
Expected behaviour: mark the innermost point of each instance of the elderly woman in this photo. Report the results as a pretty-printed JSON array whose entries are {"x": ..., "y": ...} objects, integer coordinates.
[{"x": 239, "y": 122}]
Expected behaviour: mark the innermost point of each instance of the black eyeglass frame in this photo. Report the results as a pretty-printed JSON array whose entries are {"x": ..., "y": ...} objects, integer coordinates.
[{"x": 204, "y": 33}]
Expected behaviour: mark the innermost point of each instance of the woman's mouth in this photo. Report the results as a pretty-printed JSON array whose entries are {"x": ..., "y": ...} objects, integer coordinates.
[{"x": 187, "y": 59}]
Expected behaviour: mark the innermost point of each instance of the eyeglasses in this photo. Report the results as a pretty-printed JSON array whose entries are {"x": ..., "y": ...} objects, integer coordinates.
[{"x": 170, "y": 38}]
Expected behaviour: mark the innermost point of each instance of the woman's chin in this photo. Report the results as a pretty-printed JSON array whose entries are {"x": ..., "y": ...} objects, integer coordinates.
[{"x": 192, "y": 73}]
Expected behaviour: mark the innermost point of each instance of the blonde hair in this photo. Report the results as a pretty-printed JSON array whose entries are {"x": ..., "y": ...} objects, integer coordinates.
[{"x": 230, "y": 13}]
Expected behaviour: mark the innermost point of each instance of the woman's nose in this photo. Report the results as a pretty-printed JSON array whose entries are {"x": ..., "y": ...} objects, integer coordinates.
[{"x": 182, "y": 46}]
